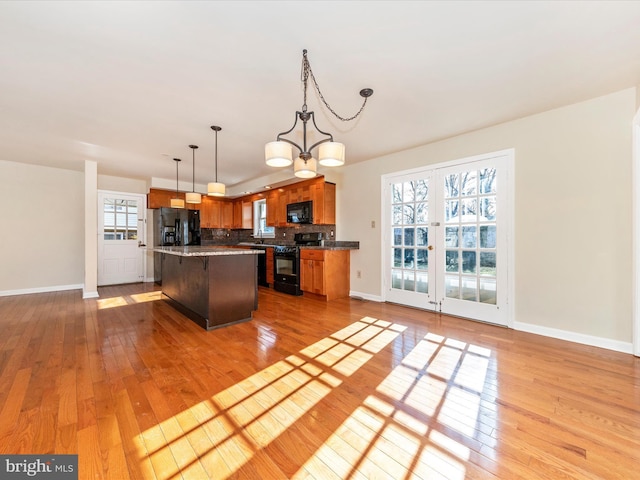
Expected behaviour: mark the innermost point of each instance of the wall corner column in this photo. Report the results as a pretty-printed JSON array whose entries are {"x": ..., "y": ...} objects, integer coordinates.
[{"x": 90, "y": 289}]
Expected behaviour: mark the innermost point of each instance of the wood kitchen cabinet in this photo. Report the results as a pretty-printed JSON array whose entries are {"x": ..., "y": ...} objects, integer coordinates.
[
  {"x": 157, "y": 198},
  {"x": 323, "y": 195},
  {"x": 269, "y": 261},
  {"x": 226, "y": 214},
  {"x": 325, "y": 272},
  {"x": 277, "y": 201},
  {"x": 209, "y": 212}
]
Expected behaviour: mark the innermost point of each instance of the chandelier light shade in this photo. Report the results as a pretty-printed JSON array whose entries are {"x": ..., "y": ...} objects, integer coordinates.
[
  {"x": 330, "y": 153},
  {"x": 278, "y": 154},
  {"x": 177, "y": 202},
  {"x": 192, "y": 196},
  {"x": 216, "y": 189},
  {"x": 305, "y": 168}
]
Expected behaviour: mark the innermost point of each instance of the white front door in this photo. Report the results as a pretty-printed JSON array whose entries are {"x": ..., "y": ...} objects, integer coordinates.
[
  {"x": 121, "y": 233},
  {"x": 446, "y": 243}
]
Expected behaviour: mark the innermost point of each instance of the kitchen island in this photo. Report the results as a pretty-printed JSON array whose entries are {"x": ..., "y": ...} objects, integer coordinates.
[{"x": 213, "y": 286}]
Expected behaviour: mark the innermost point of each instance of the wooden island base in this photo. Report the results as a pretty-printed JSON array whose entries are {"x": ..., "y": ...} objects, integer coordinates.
[{"x": 212, "y": 290}]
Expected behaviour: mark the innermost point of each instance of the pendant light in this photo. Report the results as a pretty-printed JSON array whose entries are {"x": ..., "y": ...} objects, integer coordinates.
[
  {"x": 177, "y": 202},
  {"x": 216, "y": 189},
  {"x": 192, "y": 196}
]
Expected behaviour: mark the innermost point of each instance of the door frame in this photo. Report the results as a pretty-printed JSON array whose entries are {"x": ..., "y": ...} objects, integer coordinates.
[
  {"x": 142, "y": 231},
  {"x": 509, "y": 191}
]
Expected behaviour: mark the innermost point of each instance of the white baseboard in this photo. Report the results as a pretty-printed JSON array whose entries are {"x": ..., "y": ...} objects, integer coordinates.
[
  {"x": 366, "y": 296},
  {"x": 618, "y": 346},
  {"x": 26, "y": 291}
]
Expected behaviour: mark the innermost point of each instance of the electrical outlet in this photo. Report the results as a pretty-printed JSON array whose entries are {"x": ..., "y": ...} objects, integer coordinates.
[
  {"x": 358, "y": 274},
  {"x": 373, "y": 224}
]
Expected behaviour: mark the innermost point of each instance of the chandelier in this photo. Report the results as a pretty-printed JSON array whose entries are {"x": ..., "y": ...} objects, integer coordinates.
[{"x": 330, "y": 153}]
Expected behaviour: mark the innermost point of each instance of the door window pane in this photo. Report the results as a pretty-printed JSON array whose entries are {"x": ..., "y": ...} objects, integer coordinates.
[
  {"x": 397, "y": 215},
  {"x": 488, "y": 290},
  {"x": 396, "y": 279},
  {"x": 422, "y": 282},
  {"x": 397, "y": 236},
  {"x": 488, "y": 236},
  {"x": 422, "y": 213},
  {"x": 469, "y": 183},
  {"x": 409, "y": 214},
  {"x": 397, "y": 257},
  {"x": 469, "y": 237},
  {"x": 451, "y": 236},
  {"x": 452, "y": 287},
  {"x": 452, "y": 261},
  {"x": 120, "y": 219},
  {"x": 409, "y": 280},
  {"x": 422, "y": 239},
  {"x": 408, "y": 258},
  {"x": 468, "y": 261},
  {"x": 469, "y": 288},
  {"x": 488, "y": 263},
  {"x": 488, "y": 208},
  {"x": 422, "y": 259},
  {"x": 488, "y": 180},
  {"x": 409, "y": 234}
]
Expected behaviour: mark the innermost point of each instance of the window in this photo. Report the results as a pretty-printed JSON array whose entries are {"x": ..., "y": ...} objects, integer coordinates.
[
  {"x": 120, "y": 219},
  {"x": 260, "y": 227}
]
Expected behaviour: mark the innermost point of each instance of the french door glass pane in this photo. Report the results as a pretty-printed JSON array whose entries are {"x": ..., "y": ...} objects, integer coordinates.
[
  {"x": 409, "y": 220},
  {"x": 470, "y": 235}
]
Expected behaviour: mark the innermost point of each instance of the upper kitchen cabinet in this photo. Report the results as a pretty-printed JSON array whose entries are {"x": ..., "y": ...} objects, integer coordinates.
[
  {"x": 210, "y": 212},
  {"x": 323, "y": 195},
  {"x": 277, "y": 208},
  {"x": 226, "y": 214},
  {"x": 161, "y": 198},
  {"x": 158, "y": 198}
]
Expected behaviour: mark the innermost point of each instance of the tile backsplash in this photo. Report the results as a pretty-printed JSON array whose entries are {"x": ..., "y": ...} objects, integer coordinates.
[{"x": 284, "y": 235}]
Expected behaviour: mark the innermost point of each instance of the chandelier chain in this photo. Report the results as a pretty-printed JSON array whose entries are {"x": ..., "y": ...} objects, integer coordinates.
[{"x": 305, "y": 74}]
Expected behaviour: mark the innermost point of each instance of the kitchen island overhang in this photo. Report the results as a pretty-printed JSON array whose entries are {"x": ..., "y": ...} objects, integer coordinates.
[{"x": 213, "y": 286}]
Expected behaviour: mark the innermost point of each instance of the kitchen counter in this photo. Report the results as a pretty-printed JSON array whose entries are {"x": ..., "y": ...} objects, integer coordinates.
[
  {"x": 213, "y": 286},
  {"x": 328, "y": 245},
  {"x": 200, "y": 251}
]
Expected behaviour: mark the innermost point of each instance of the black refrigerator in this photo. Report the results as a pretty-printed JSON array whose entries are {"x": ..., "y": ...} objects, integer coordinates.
[{"x": 173, "y": 227}]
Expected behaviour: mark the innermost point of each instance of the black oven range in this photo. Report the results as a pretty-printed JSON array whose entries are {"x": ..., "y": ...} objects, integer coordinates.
[{"x": 286, "y": 262}]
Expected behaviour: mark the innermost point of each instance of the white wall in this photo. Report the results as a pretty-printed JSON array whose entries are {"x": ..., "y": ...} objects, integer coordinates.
[
  {"x": 42, "y": 239},
  {"x": 572, "y": 211}
]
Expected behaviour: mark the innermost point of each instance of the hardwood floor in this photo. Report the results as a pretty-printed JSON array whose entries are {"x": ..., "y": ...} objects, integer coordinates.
[{"x": 307, "y": 389}]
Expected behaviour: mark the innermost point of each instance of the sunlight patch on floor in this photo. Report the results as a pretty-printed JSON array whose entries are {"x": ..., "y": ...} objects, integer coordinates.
[
  {"x": 402, "y": 431},
  {"x": 217, "y": 437}
]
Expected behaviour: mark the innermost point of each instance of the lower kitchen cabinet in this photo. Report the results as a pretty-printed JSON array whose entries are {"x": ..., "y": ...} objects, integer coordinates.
[
  {"x": 325, "y": 272},
  {"x": 269, "y": 255}
]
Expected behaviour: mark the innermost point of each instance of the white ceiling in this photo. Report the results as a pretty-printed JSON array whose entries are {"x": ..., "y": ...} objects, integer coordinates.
[{"x": 132, "y": 84}]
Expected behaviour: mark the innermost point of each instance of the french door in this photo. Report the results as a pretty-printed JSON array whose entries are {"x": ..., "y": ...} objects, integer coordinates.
[
  {"x": 446, "y": 238},
  {"x": 121, "y": 222}
]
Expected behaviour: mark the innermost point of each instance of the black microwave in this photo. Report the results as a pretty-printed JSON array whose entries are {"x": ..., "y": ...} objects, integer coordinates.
[{"x": 301, "y": 212}]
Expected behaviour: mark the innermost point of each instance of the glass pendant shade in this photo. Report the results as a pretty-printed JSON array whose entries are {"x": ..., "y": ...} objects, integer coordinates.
[
  {"x": 331, "y": 154},
  {"x": 278, "y": 154},
  {"x": 216, "y": 189},
  {"x": 193, "y": 197},
  {"x": 304, "y": 169},
  {"x": 177, "y": 203}
]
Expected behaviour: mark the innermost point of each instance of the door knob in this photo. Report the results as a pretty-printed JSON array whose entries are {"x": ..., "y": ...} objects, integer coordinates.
[{"x": 430, "y": 247}]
